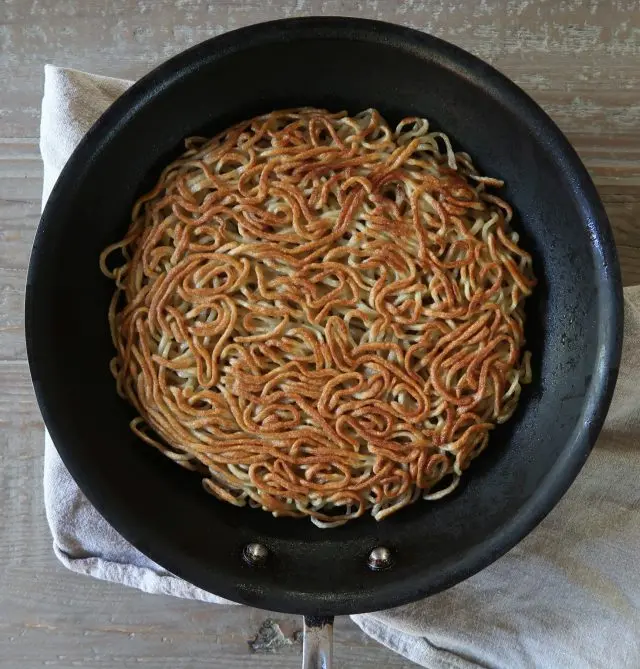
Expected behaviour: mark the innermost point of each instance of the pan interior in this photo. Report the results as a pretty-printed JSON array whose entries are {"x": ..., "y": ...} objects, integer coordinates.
[{"x": 571, "y": 326}]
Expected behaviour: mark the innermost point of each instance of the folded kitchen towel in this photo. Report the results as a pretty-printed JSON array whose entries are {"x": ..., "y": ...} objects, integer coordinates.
[{"x": 567, "y": 597}]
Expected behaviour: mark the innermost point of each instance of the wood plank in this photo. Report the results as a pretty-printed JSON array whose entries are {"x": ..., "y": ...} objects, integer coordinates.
[
  {"x": 575, "y": 58},
  {"x": 20, "y": 193},
  {"x": 80, "y": 622},
  {"x": 85, "y": 623},
  {"x": 629, "y": 257}
]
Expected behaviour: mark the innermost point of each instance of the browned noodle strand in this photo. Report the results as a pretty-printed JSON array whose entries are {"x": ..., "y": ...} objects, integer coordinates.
[{"x": 321, "y": 314}]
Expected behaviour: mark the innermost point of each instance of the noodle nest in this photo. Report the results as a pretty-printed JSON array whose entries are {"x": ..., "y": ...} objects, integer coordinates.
[{"x": 320, "y": 314}]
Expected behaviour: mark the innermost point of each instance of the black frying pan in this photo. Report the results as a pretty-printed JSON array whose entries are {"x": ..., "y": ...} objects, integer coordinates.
[{"x": 574, "y": 325}]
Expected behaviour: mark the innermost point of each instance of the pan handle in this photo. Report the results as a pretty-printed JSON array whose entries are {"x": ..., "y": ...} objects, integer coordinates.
[{"x": 317, "y": 643}]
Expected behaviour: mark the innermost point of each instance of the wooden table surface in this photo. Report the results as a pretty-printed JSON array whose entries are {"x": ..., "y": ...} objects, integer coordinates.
[{"x": 580, "y": 59}]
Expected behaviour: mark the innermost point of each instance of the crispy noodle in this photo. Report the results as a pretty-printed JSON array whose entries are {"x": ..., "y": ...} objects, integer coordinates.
[{"x": 320, "y": 314}]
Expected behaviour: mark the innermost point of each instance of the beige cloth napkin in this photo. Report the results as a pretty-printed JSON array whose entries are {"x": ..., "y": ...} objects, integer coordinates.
[{"x": 567, "y": 597}]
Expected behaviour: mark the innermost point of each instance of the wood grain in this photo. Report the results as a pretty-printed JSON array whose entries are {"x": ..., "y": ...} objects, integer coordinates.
[{"x": 579, "y": 59}]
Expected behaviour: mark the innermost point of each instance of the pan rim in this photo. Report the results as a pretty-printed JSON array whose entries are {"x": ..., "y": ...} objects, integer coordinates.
[{"x": 610, "y": 323}]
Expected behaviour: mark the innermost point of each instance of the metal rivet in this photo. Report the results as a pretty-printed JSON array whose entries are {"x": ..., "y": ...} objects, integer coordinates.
[
  {"x": 380, "y": 558},
  {"x": 255, "y": 554}
]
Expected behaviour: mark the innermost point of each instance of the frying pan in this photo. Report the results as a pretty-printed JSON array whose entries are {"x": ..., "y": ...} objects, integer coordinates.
[{"x": 574, "y": 320}]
